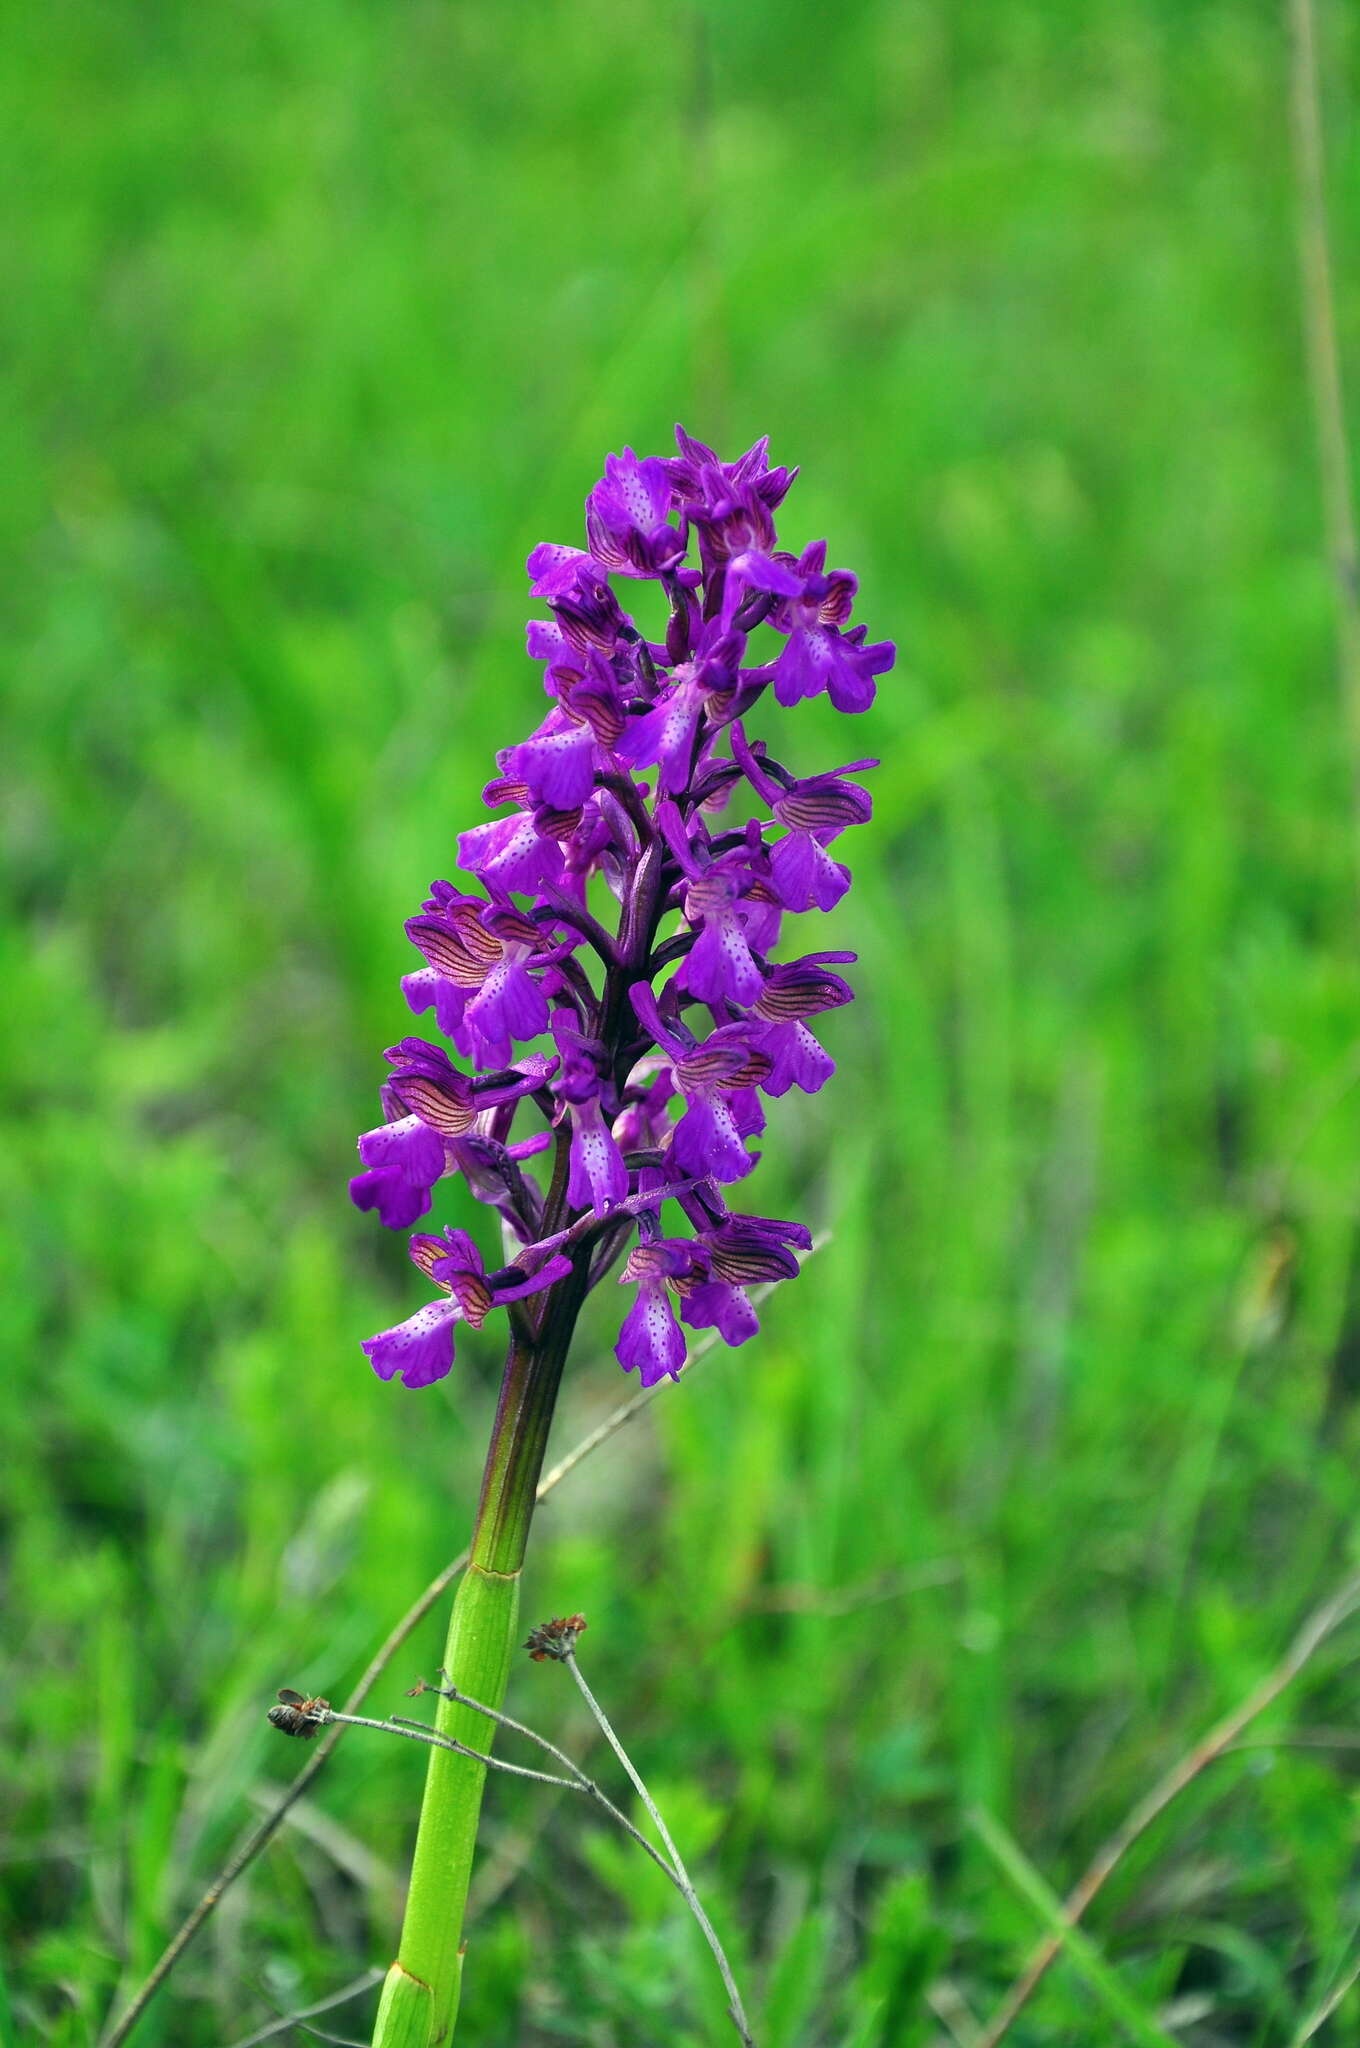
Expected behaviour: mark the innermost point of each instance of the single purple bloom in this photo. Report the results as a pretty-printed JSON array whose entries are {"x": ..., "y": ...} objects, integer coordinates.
[
  {"x": 815, "y": 810},
  {"x": 720, "y": 965},
  {"x": 556, "y": 764},
  {"x": 626, "y": 517},
  {"x": 425, "y": 1081},
  {"x": 511, "y": 854},
  {"x": 454, "y": 1263},
  {"x": 793, "y": 992},
  {"x": 495, "y": 950},
  {"x": 577, "y": 589},
  {"x": 743, "y": 1251},
  {"x": 403, "y": 1159},
  {"x": 651, "y": 1340},
  {"x": 429, "y": 1106},
  {"x": 717, "y": 1078},
  {"x": 420, "y": 1350}
]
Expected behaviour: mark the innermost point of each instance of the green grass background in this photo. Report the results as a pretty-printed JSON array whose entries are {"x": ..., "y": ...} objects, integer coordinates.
[{"x": 317, "y": 317}]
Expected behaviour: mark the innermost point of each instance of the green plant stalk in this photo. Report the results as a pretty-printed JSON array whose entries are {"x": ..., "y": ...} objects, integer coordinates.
[{"x": 419, "y": 2004}]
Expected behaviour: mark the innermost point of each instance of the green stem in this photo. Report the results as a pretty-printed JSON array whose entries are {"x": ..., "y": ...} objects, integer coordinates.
[{"x": 420, "y": 1998}]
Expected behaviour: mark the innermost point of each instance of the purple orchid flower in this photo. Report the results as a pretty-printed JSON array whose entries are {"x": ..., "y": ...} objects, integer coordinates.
[
  {"x": 717, "y": 1078},
  {"x": 743, "y": 1251},
  {"x": 651, "y": 1339},
  {"x": 792, "y": 993},
  {"x": 493, "y": 951},
  {"x": 428, "y": 1103},
  {"x": 628, "y": 517},
  {"x": 420, "y": 1350}
]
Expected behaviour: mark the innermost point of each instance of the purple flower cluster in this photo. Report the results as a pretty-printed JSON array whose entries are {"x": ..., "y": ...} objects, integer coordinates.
[{"x": 629, "y": 898}]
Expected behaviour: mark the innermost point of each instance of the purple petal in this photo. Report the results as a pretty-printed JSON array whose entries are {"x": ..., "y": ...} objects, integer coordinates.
[
  {"x": 799, "y": 1060},
  {"x": 639, "y": 490},
  {"x": 651, "y": 1339},
  {"x": 509, "y": 1005},
  {"x": 707, "y": 1141},
  {"x": 805, "y": 874},
  {"x": 511, "y": 854},
  {"x": 852, "y": 669},
  {"x": 418, "y": 1351},
  {"x": 802, "y": 667},
  {"x": 598, "y": 1177},
  {"x": 405, "y": 1160},
  {"x": 665, "y": 736},
  {"x": 457, "y": 1249},
  {"x": 427, "y": 986},
  {"x": 545, "y": 641},
  {"x": 715, "y": 1305},
  {"x": 554, "y": 568},
  {"x": 720, "y": 963},
  {"x": 756, "y": 570},
  {"x": 397, "y": 1202},
  {"x": 556, "y": 764}
]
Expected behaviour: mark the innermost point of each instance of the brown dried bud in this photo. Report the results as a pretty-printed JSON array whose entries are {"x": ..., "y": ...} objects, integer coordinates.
[{"x": 556, "y": 1639}]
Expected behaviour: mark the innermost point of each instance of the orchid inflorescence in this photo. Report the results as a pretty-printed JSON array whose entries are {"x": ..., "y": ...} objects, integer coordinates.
[{"x": 669, "y": 1027}]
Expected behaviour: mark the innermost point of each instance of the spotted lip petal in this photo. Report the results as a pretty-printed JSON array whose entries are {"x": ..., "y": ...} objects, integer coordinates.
[{"x": 418, "y": 1351}]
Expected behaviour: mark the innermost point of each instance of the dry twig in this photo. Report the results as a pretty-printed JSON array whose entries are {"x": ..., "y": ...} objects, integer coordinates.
[{"x": 307, "y": 2012}]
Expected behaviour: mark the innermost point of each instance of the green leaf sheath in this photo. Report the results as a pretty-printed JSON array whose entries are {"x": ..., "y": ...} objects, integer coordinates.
[{"x": 405, "y": 2011}]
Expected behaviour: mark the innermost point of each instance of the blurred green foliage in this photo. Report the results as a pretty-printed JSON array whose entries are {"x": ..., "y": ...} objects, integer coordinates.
[{"x": 317, "y": 317}]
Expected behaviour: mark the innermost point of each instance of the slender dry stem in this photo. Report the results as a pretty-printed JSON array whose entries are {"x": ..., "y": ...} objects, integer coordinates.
[
  {"x": 419, "y": 1731},
  {"x": 355, "y": 1989},
  {"x": 682, "y": 1876},
  {"x": 580, "y": 1782},
  {"x": 1322, "y": 1623}
]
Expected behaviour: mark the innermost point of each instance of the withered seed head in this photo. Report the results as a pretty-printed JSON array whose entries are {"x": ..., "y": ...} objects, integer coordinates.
[{"x": 556, "y": 1638}]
